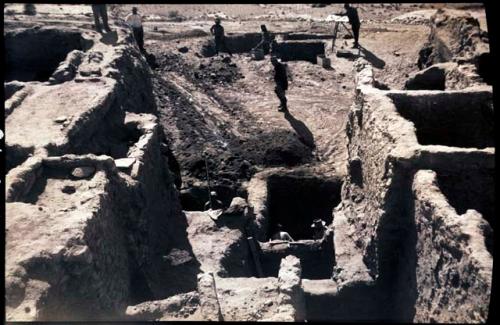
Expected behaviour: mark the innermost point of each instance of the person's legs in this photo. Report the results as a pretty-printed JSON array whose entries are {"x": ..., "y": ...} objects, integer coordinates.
[
  {"x": 280, "y": 92},
  {"x": 217, "y": 46},
  {"x": 140, "y": 40},
  {"x": 139, "y": 37},
  {"x": 104, "y": 15},
  {"x": 96, "y": 12},
  {"x": 225, "y": 47},
  {"x": 265, "y": 48},
  {"x": 355, "y": 31}
]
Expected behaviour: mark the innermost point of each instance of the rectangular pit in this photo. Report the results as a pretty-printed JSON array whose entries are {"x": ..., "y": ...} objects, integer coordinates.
[
  {"x": 470, "y": 189},
  {"x": 295, "y": 201},
  {"x": 34, "y": 54},
  {"x": 456, "y": 119},
  {"x": 301, "y": 51}
]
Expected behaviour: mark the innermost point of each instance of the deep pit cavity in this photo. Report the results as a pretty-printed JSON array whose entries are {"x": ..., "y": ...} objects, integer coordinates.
[
  {"x": 301, "y": 51},
  {"x": 34, "y": 54},
  {"x": 295, "y": 201},
  {"x": 113, "y": 140},
  {"x": 237, "y": 43},
  {"x": 458, "y": 119},
  {"x": 16, "y": 156},
  {"x": 470, "y": 189}
]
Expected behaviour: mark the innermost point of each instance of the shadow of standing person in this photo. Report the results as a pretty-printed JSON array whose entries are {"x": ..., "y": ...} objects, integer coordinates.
[
  {"x": 372, "y": 58},
  {"x": 305, "y": 135}
]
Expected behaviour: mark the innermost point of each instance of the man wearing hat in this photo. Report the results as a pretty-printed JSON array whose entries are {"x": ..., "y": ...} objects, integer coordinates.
[
  {"x": 218, "y": 31},
  {"x": 318, "y": 227},
  {"x": 134, "y": 20}
]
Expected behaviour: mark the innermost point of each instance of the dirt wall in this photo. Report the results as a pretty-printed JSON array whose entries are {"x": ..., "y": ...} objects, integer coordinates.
[{"x": 454, "y": 266}]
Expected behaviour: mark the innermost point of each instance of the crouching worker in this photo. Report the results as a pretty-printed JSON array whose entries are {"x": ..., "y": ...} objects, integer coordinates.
[
  {"x": 134, "y": 20},
  {"x": 281, "y": 235},
  {"x": 213, "y": 202},
  {"x": 318, "y": 227}
]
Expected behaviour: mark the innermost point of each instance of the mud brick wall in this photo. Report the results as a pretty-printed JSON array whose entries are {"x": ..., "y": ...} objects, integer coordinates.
[
  {"x": 158, "y": 216},
  {"x": 454, "y": 267},
  {"x": 84, "y": 268}
]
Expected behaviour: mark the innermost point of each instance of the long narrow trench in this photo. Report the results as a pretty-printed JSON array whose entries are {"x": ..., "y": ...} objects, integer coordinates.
[{"x": 220, "y": 113}]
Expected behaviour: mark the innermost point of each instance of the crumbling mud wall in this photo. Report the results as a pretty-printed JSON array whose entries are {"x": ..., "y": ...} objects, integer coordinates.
[
  {"x": 116, "y": 80},
  {"x": 375, "y": 225},
  {"x": 453, "y": 37},
  {"x": 457, "y": 39},
  {"x": 454, "y": 267},
  {"x": 65, "y": 248},
  {"x": 104, "y": 221}
]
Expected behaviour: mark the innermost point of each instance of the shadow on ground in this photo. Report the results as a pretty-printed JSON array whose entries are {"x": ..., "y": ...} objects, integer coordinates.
[
  {"x": 372, "y": 58},
  {"x": 305, "y": 135}
]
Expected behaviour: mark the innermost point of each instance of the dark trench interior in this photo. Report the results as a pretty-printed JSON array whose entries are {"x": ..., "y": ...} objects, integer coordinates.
[
  {"x": 236, "y": 43},
  {"x": 114, "y": 140},
  {"x": 463, "y": 120},
  {"x": 15, "y": 156},
  {"x": 34, "y": 54},
  {"x": 295, "y": 201},
  {"x": 301, "y": 51},
  {"x": 287, "y": 51},
  {"x": 471, "y": 189}
]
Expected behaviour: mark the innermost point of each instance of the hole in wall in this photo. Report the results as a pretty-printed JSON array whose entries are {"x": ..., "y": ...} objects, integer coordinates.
[{"x": 485, "y": 68}]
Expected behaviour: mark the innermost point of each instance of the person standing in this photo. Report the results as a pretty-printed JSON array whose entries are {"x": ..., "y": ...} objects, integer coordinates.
[
  {"x": 134, "y": 20},
  {"x": 352, "y": 14},
  {"x": 281, "y": 79},
  {"x": 220, "y": 41},
  {"x": 100, "y": 11}
]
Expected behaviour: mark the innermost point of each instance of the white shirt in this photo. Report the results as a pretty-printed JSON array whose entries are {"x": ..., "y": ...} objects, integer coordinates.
[
  {"x": 282, "y": 235},
  {"x": 134, "y": 20}
]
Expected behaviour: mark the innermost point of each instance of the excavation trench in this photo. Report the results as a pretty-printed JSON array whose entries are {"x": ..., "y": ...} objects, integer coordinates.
[
  {"x": 294, "y": 48},
  {"x": 295, "y": 202},
  {"x": 457, "y": 119},
  {"x": 471, "y": 189},
  {"x": 34, "y": 54}
]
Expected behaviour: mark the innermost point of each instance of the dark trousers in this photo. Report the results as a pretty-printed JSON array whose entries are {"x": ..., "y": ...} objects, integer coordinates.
[
  {"x": 220, "y": 45},
  {"x": 100, "y": 11},
  {"x": 355, "y": 32},
  {"x": 280, "y": 92},
  {"x": 139, "y": 36}
]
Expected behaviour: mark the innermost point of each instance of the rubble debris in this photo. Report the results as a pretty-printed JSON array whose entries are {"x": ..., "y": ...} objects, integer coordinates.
[{"x": 83, "y": 172}]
